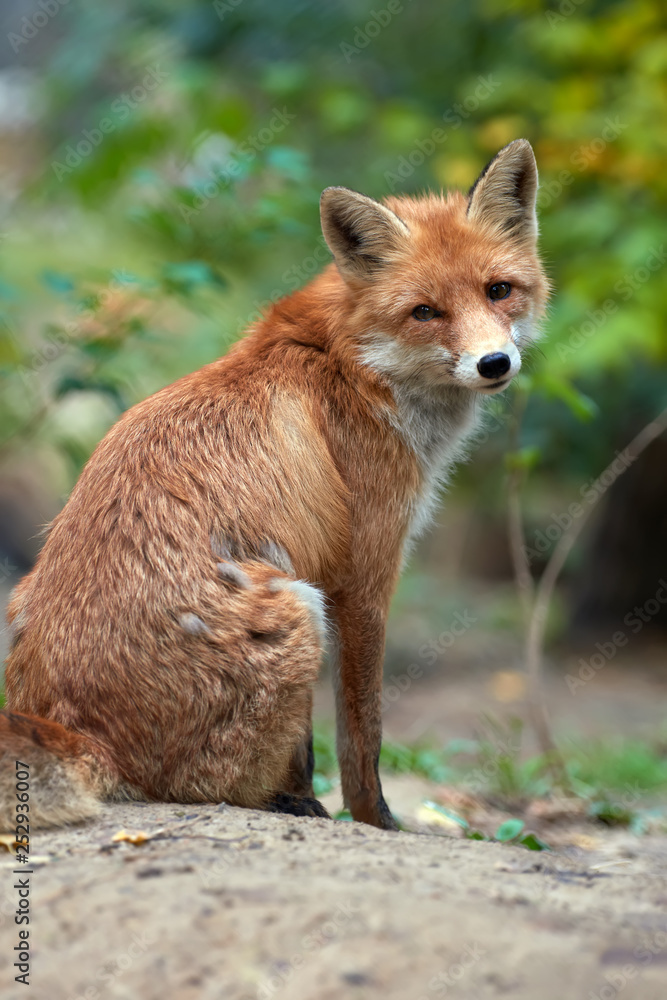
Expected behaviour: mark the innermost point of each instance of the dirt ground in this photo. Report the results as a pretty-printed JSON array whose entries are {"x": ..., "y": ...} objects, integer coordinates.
[
  {"x": 222, "y": 903},
  {"x": 219, "y": 903}
]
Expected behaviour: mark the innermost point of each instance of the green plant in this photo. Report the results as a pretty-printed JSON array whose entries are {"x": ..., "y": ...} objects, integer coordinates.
[{"x": 511, "y": 831}]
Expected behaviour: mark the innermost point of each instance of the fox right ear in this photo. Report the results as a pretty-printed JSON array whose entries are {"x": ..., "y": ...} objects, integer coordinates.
[
  {"x": 502, "y": 199},
  {"x": 361, "y": 233}
]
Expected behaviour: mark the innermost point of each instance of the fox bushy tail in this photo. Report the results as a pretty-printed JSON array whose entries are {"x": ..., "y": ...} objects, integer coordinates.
[{"x": 65, "y": 780}]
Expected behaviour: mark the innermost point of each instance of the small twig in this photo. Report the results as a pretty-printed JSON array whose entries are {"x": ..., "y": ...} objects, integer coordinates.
[
  {"x": 198, "y": 836},
  {"x": 522, "y": 574},
  {"x": 544, "y": 592}
]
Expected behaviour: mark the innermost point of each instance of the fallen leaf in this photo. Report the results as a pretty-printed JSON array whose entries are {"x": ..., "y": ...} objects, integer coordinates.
[{"x": 136, "y": 837}]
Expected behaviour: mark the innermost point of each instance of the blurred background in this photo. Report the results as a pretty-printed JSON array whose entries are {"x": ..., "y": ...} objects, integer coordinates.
[{"x": 162, "y": 162}]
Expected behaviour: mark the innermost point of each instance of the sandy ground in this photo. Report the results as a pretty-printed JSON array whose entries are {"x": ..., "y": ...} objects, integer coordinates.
[{"x": 229, "y": 904}]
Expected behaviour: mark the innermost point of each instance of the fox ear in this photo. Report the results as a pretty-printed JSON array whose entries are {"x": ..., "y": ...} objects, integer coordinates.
[
  {"x": 361, "y": 233},
  {"x": 503, "y": 196}
]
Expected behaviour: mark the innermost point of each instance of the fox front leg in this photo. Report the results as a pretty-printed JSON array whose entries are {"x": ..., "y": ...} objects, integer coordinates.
[{"x": 358, "y": 687}]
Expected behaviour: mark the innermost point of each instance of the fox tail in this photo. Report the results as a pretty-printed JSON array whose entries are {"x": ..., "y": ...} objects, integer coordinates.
[{"x": 65, "y": 783}]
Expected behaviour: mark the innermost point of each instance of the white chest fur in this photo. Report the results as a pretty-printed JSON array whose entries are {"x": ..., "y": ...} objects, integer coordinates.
[
  {"x": 434, "y": 417},
  {"x": 436, "y": 425}
]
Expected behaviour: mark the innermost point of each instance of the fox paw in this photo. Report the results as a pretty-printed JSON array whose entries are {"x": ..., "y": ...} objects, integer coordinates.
[{"x": 297, "y": 805}]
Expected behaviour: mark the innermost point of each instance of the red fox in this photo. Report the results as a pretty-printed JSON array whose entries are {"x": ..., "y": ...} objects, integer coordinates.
[{"x": 166, "y": 643}]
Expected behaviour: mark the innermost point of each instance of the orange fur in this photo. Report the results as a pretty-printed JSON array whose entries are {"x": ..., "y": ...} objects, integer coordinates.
[{"x": 164, "y": 623}]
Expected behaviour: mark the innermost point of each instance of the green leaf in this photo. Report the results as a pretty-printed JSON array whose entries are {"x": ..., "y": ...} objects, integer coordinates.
[
  {"x": 524, "y": 458},
  {"x": 188, "y": 275},
  {"x": 610, "y": 813},
  {"x": 57, "y": 282},
  {"x": 533, "y": 843},
  {"x": 580, "y": 405},
  {"x": 510, "y": 829}
]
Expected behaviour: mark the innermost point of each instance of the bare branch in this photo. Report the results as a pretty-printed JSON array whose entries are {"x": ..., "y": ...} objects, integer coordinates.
[{"x": 544, "y": 592}]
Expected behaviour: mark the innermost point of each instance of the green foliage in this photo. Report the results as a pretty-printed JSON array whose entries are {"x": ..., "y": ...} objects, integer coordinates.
[
  {"x": 610, "y": 813},
  {"x": 324, "y": 748},
  {"x": 600, "y": 771},
  {"x": 321, "y": 784},
  {"x": 508, "y": 832},
  {"x": 421, "y": 760},
  {"x": 206, "y": 181},
  {"x": 394, "y": 757},
  {"x": 634, "y": 767},
  {"x": 496, "y": 764},
  {"x": 618, "y": 779},
  {"x": 511, "y": 831}
]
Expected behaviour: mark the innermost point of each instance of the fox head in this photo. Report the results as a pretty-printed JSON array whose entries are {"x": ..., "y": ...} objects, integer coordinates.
[{"x": 444, "y": 290}]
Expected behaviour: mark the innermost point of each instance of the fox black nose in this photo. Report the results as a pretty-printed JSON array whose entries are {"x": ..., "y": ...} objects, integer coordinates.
[{"x": 493, "y": 365}]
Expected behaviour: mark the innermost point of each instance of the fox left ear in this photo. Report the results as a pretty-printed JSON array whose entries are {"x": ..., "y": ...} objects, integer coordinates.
[{"x": 503, "y": 196}]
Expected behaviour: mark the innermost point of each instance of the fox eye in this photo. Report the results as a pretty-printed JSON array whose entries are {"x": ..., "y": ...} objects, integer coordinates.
[
  {"x": 425, "y": 313},
  {"x": 500, "y": 290}
]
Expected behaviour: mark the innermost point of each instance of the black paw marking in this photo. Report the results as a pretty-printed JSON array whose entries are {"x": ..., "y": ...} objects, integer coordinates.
[{"x": 297, "y": 805}]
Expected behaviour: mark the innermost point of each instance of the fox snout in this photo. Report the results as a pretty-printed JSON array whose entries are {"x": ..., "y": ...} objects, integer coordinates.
[{"x": 489, "y": 369}]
